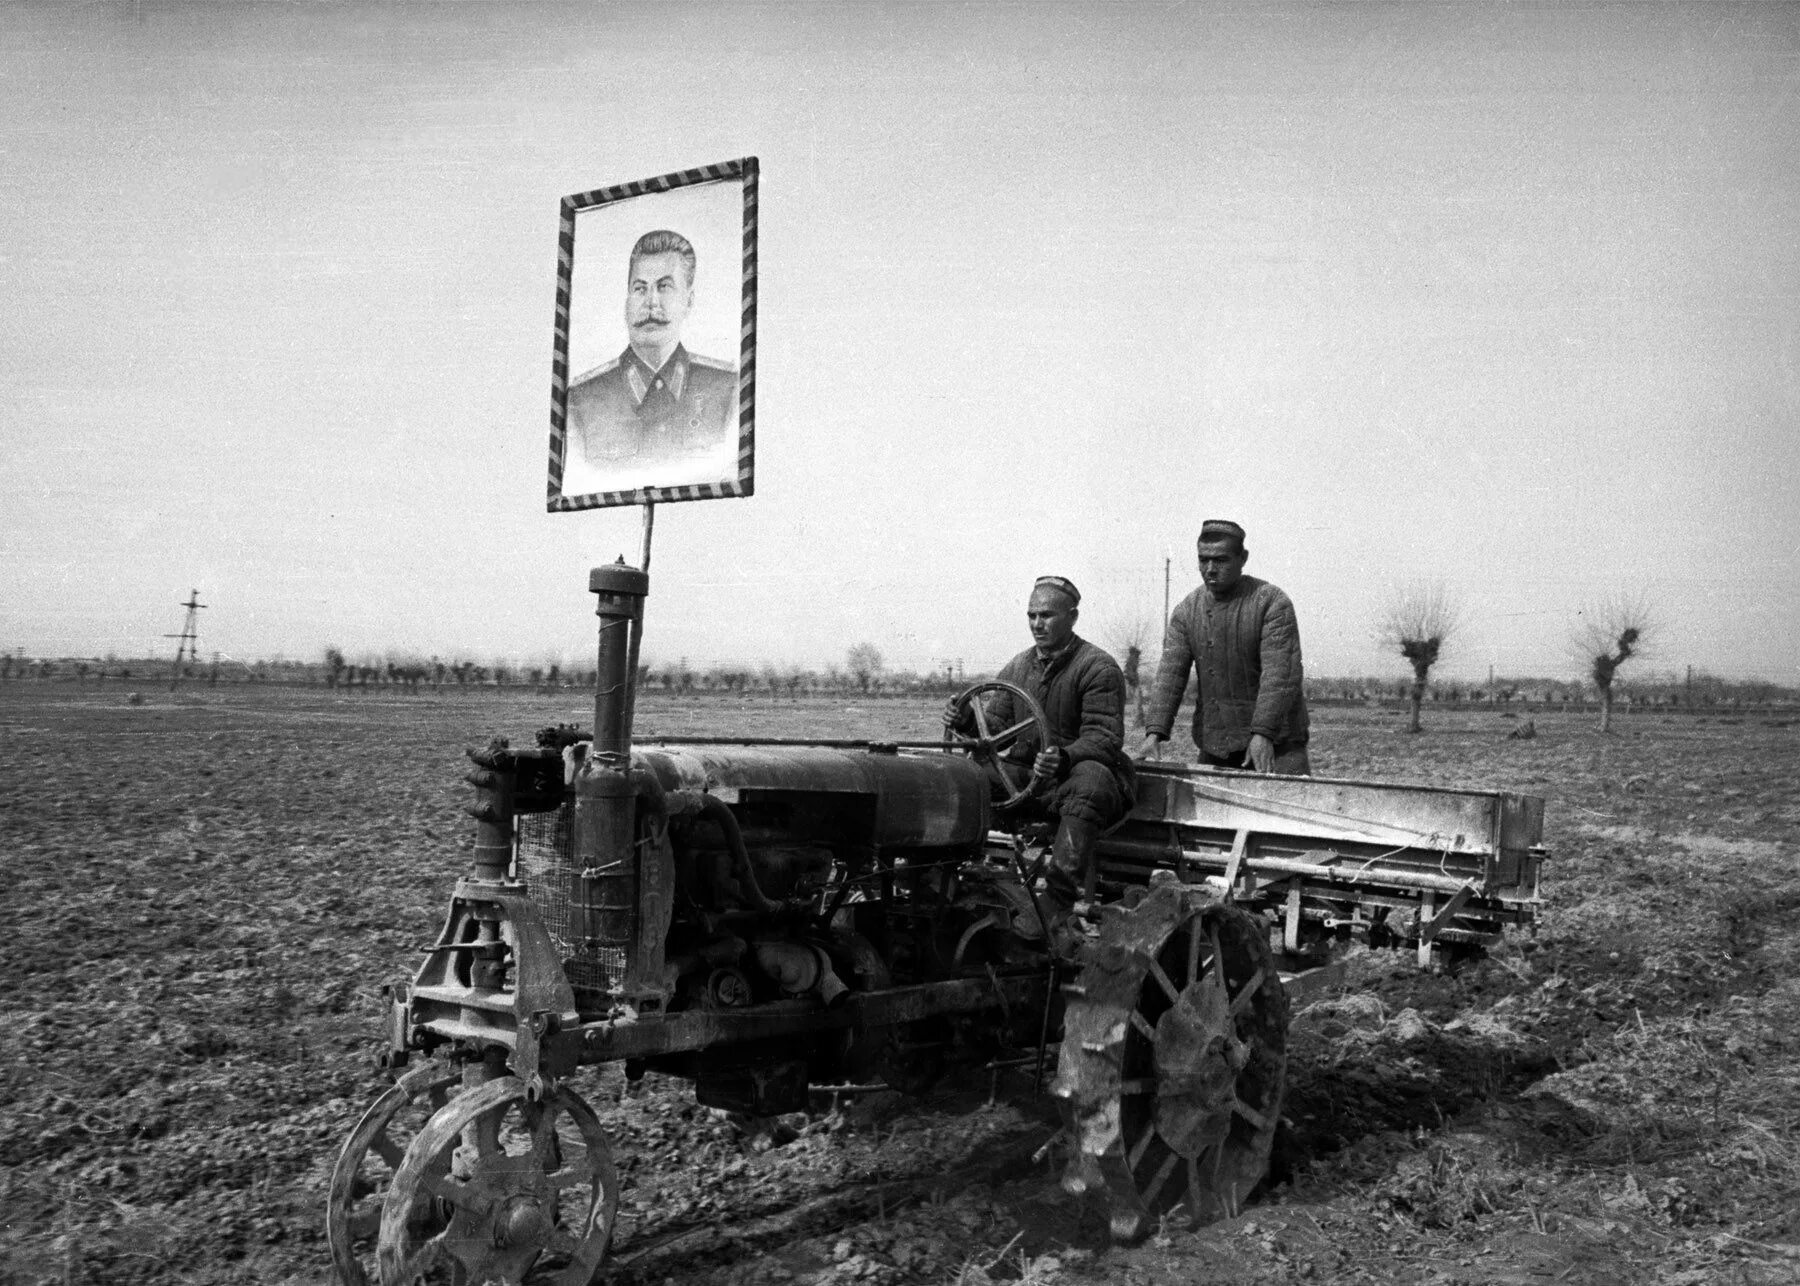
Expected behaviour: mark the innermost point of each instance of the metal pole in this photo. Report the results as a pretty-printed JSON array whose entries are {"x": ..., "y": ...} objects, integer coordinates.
[
  {"x": 637, "y": 639},
  {"x": 637, "y": 620},
  {"x": 189, "y": 646},
  {"x": 1168, "y": 561}
]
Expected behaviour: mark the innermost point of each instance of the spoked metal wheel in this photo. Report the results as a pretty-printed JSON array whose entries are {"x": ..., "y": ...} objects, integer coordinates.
[
  {"x": 1173, "y": 1062},
  {"x": 989, "y": 744},
  {"x": 366, "y": 1165},
  {"x": 530, "y": 1189}
]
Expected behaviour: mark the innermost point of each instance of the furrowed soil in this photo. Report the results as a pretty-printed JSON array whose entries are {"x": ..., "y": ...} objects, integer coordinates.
[{"x": 210, "y": 887}]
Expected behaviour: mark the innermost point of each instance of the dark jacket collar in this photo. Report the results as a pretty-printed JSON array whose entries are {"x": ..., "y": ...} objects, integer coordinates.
[
  {"x": 1245, "y": 584},
  {"x": 1059, "y": 658},
  {"x": 639, "y": 373}
]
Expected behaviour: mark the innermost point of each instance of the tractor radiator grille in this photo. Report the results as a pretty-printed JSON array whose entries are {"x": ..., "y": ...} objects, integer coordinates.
[{"x": 548, "y": 865}]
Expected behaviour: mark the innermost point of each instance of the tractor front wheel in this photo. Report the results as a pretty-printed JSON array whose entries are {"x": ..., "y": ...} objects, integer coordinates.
[
  {"x": 529, "y": 1187},
  {"x": 367, "y": 1163}
]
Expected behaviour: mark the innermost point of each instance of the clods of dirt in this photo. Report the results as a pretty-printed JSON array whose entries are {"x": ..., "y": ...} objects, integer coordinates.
[{"x": 211, "y": 891}]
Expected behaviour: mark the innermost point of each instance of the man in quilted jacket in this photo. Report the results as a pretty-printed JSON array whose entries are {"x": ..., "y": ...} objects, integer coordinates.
[
  {"x": 1240, "y": 636},
  {"x": 1082, "y": 777}
]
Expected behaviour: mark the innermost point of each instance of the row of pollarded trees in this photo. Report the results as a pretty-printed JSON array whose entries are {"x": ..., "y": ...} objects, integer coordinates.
[
  {"x": 864, "y": 672},
  {"x": 1420, "y": 620},
  {"x": 408, "y": 672}
]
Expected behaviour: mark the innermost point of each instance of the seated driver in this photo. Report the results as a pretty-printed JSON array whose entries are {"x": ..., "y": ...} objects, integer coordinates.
[{"x": 1083, "y": 778}]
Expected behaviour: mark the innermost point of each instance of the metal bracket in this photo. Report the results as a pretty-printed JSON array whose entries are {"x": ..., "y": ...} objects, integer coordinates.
[
  {"x": 1433, "y": 919},
  {"x": 1311, "y": 984},
  {"x": 1240, "y": 844},
  {"x": 525, "y": 1054},
  {"x": 992, "y": 920},
  {"x": 1429, "y": 929},
  {"x": 1186, "y": 868}
]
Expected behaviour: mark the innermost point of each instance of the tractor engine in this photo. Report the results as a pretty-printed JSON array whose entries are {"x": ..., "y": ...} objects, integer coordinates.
[{"x": 758, "y": 875}]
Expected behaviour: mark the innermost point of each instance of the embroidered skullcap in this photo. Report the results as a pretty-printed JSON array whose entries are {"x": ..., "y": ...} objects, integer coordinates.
[
  {"x": 1221, "y": 529},
  {"x": 1061, "y": 583}
]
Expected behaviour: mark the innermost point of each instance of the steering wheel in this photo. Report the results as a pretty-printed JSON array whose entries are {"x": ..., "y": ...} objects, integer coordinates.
[{"x": 991, "y": 744}]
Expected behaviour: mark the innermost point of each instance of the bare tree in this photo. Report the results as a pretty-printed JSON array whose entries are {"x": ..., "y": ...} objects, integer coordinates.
[
  {"x": 1608, "y": 634},
  {"x": 1418, "y": 621},
  {"x": 1129, "y": 640},
  {"x": 406, "y": 670},
  {"x": 864, "y": 663}
]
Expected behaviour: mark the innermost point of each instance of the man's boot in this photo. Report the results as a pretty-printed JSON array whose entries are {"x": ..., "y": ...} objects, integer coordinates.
[
  {"x": 1071, "y": 864},
  {"x": 1072, "y": 852},
  {"x": 1059, "y": 895}
]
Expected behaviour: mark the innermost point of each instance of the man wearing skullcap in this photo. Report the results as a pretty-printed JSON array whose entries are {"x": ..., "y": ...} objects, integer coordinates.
[
  {"x": 1083, "y": 777},
  {"x": 1239, "y": 633}
]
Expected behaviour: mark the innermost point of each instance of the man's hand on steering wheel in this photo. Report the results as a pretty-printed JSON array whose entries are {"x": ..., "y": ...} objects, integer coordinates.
[
  {"x": 1050, "y": 765},
  {"x": 966, "y": 729}
]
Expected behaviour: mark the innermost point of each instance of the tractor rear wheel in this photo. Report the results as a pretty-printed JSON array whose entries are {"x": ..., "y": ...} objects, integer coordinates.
[{"x": 1173, "y": 1060}]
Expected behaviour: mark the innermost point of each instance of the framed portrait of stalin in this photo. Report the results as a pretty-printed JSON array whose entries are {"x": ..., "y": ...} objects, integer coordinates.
[{"x": 653, "y": 372}]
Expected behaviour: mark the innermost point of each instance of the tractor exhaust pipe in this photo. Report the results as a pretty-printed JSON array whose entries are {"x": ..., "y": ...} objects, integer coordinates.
[
  {"x": 621, "y": 591},
  {"x": 604, "y": 892}
]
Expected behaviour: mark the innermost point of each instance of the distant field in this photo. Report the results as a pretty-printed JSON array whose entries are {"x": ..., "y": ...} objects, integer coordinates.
[{"x": 210, "y": 887}]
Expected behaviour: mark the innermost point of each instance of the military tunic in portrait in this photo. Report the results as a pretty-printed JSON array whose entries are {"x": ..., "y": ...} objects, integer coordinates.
[{"x": 625, "y": 417}]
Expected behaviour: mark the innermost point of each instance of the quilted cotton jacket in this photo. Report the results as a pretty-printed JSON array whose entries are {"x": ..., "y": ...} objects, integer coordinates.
[
  {"x": 1246, "y": 650},
  {"x": 1082, "y": 691}
]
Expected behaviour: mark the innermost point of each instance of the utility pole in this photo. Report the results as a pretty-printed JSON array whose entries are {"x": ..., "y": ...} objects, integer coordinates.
[
  {"x": 188, "y": 648},
  {"x": 1168, "y": 563}
]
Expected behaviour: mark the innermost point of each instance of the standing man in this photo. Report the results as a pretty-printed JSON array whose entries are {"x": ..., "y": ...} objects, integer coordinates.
[
  {"x": 656, "y": 413},
  {"x": 1240, "y": 634},
  {"x": 1083, "y": 778}
]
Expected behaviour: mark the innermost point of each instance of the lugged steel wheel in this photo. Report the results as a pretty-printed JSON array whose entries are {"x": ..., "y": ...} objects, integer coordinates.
[
  {"x": 530, "y": 1189},
  {"x": 1174, "y": 1058},
  {"x": 367, "y": 1162}
]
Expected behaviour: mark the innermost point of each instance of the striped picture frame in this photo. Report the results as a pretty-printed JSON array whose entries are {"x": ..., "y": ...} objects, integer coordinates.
[{"x": 736, "y": 477}]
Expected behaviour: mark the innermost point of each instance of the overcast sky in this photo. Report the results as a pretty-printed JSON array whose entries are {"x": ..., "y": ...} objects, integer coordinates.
[{"x": 1502, "y": 295}]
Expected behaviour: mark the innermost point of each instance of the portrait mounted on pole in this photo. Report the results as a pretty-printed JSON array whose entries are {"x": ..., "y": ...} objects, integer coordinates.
[{"x": 654, "y": 370}]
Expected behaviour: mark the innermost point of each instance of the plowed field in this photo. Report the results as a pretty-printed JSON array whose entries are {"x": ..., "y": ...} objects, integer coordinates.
[{"x": 209, "y": 888}]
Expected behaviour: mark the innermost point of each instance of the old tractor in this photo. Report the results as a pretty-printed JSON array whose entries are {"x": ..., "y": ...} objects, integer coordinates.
[{"x": 759, "y": 917}]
